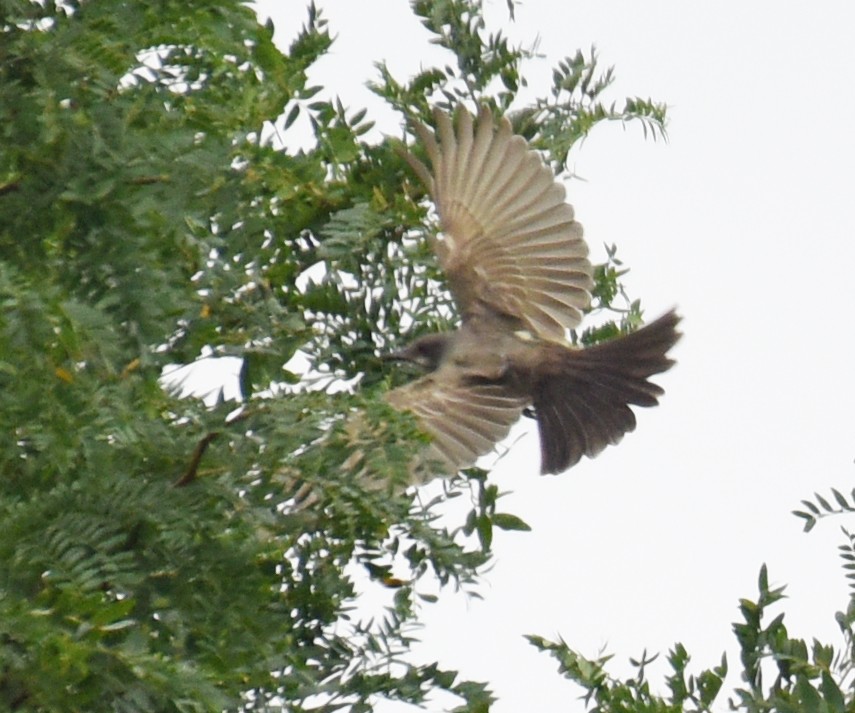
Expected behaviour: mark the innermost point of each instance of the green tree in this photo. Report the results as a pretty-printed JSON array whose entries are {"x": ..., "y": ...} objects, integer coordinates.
[
  {"x": 779, "y": 674},
  {"x": 154, "y": 554}
]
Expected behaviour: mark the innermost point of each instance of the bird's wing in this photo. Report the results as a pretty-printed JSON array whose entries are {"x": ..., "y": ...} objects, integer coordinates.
[
  {"x": 510, "y": 244},
  {"x": 463, "y": 421}
]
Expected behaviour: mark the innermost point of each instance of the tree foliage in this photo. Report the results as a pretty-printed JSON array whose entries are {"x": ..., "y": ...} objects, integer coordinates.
[
  {"x": 158, "y": 553},
  {"x": 779, "y": 674}
]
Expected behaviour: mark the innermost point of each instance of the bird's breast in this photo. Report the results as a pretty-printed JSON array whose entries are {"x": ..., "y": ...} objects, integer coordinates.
[{"x": 489, "y": 353}]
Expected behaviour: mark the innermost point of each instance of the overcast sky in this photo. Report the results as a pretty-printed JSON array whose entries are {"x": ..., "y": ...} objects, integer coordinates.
[{"x": 744, "y": 220}]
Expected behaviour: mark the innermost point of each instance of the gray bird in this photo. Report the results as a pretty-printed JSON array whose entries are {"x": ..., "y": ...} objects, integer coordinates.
[{"x": 517, "y": 267}]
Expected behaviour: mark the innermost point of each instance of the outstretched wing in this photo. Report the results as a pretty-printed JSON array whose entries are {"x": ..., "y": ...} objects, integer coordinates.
[
  {"x": 511, "y": 247},
  {"x": 464, "y": 422}
]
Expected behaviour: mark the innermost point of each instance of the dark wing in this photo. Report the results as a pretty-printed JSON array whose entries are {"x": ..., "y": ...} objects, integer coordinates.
[
  {"x": 464, "y": 422},
  {"x": 510, "y": 246}
]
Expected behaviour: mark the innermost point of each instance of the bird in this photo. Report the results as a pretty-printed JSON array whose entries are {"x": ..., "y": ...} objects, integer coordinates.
[{"x": 517, "y": 267}]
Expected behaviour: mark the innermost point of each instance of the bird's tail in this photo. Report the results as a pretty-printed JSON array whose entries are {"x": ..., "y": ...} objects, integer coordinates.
[{"x": 583, "y": 405}]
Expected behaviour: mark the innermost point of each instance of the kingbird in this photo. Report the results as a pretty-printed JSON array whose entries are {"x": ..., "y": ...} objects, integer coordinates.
[{"x": 517, "y": 266}]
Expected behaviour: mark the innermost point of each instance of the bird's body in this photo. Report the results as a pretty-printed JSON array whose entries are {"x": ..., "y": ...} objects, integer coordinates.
[{"x": 517, "y": 267}]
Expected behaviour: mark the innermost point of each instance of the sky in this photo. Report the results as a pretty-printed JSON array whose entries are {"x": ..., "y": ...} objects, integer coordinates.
[{"x": 742, "y": 219}]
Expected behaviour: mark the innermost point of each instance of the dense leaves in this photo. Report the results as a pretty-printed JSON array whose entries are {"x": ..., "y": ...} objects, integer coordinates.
[{"x": 138, "y": 210}]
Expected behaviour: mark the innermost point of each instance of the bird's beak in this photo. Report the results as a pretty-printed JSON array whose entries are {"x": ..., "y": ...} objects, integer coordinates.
[
  {"x": 393, "y": 356},
  {"x": 406, "y": 358}
]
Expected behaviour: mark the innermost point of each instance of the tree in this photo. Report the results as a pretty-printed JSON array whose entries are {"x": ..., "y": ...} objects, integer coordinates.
[
  {"x": 779, "y": 674},
  {"x": 155, "y": 555}
]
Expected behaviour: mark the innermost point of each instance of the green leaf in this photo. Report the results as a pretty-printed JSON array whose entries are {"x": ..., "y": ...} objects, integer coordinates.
[
  {"x": 484, "y": 527},
  {"x": 822, "y": 501},
  {"x": 810, "y": 520},
  {"x": 838, "y": 496},
  {"x": 832, "y": 694},
  {"x": 505, "y": 521}
]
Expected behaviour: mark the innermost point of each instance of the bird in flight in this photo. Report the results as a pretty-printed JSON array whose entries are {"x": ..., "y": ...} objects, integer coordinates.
[{"x": 516, "y": 264}]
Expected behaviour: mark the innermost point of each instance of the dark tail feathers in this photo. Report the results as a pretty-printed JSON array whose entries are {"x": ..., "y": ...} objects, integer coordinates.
[{"x": 584, "y": 405}]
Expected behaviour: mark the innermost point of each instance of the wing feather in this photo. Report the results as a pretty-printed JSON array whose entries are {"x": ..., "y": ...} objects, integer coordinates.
[
  {"x": 463, "y": 421},
  {"x": 511, "y": 246}
]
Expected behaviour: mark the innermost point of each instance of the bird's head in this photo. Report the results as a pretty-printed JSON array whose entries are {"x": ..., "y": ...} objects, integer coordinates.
[{"x": 427, "y": 351}]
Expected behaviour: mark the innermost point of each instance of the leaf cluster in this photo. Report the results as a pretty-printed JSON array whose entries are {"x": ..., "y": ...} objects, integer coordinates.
[
  {"x": 821, "y": 507},
  {"x": 605, "y": 694},
  {"x": 779, "y": 673},
  {"x": 150, "y": 560},
  {"x": 578, "y": 85}
]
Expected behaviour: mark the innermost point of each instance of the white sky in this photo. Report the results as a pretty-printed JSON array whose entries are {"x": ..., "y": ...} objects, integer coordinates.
[{"x": 743, "y": 220}]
